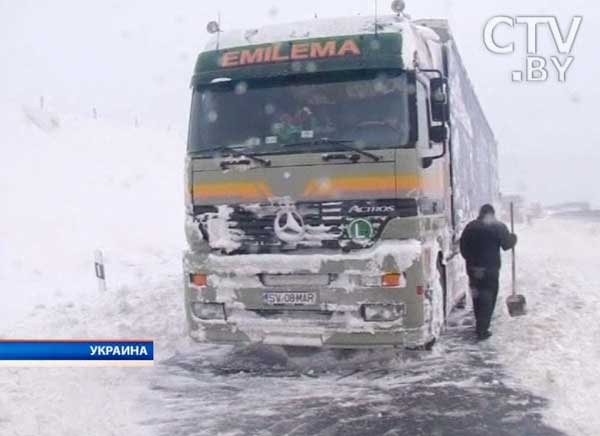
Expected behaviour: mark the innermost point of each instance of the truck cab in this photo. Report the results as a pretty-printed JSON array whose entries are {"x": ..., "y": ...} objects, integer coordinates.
[{"x": 320, "y": 207}]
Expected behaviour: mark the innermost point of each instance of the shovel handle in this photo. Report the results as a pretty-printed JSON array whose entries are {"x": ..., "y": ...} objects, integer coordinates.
[{"x": 514, "y": 264}]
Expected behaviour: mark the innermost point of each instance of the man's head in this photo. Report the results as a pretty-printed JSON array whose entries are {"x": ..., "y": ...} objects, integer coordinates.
[{"x": 487, "y": 213}]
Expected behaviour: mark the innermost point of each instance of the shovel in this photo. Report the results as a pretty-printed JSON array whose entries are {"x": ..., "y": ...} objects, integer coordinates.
[{"x": 516, "y": 302}]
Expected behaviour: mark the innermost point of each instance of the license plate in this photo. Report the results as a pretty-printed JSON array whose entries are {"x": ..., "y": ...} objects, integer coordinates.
[{"x": 290, "y": 298}]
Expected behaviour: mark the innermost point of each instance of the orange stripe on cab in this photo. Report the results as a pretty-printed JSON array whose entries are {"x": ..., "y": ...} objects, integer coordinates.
[
  {"x": 258, "y": 190},
  {"x": 364, "y": 184}
]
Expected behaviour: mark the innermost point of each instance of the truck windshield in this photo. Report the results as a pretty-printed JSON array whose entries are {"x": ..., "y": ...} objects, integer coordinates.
[{"x": 369, "y": 109}]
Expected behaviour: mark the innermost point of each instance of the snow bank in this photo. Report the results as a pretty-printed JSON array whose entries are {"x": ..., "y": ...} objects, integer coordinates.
[
  {"x": 42, "y": 119},
  {"x": 82, "y": 186},
  {"x": 66, "y": 191},
  {"x": 554, "y": 350}
]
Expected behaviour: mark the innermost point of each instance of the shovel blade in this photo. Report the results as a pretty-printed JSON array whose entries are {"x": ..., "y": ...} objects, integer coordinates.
[{"x": 517, "y": 305}]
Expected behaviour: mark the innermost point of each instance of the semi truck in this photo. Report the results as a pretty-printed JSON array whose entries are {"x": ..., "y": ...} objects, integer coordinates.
[{"x": 331, "y": 166}]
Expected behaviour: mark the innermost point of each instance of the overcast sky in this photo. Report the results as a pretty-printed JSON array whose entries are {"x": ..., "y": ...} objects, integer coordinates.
[{"x": 134, "y": 59}]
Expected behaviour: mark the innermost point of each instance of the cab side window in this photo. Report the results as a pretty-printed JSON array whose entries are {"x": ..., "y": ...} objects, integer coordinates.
[{"x": 424, "y": 114}]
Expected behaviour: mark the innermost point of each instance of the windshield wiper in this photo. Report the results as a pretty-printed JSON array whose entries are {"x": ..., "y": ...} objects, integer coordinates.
[
  {"x": 235, "y": 152},
  {"x": 345, "y": 143}
]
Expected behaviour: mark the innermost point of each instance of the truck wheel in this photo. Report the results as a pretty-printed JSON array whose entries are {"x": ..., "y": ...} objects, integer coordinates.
[{"x": 428, "y": 346}]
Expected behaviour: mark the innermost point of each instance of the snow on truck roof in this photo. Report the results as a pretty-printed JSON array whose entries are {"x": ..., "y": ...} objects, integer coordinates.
[
  {"x": 317, "y": 28},
  {"x": 417, "y": 38}
]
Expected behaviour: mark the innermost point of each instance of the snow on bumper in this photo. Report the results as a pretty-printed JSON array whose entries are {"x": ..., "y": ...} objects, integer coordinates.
[
  {"x": 390, "y": 255},
  {"x": 309, "y": 334},
  {"x": 337, "y": 317}
]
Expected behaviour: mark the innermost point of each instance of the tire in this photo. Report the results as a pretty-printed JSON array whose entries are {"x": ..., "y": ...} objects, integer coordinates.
[{"x": 428, "y": 346}]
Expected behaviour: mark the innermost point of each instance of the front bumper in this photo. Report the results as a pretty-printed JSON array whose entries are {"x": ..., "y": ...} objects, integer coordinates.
[
  {"x": 335, "y": 320},
  {"x": 306, "y": 334}
]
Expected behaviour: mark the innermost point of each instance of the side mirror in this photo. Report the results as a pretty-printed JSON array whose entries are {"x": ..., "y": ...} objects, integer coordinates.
[
  {"x": 438, "y": 134},
  {"x": 440, "y": 109}
]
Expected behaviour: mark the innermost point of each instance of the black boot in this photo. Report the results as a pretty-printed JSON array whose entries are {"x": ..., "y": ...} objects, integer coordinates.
[{"x": 482, "y": 336}]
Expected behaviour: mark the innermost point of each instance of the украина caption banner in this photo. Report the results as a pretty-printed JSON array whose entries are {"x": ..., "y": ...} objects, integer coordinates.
[{"x": 31, "y": 352}]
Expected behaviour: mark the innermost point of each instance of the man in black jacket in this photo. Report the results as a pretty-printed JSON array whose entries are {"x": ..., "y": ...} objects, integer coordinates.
[{"x": 480, "y": 245}]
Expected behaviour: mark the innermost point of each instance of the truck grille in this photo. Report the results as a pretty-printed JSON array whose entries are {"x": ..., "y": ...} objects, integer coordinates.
[{"x": 325, "y": 223}]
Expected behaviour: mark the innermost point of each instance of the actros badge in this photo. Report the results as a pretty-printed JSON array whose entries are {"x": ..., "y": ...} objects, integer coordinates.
[{"x": 372, "y": 209}]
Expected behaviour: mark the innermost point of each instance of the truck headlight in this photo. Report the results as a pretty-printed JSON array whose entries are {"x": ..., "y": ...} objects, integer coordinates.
[
  {"x": 209, "y": 311},
  {"x": 382, "y": 312}
]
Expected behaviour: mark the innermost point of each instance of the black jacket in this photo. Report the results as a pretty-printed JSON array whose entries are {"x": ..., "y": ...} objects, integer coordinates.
[{"x": 480, "y": 243}]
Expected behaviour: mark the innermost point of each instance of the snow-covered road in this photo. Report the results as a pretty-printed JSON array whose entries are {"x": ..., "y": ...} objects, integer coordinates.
[
  {"x": 538, "y": 375},
  {"x": 460, "y": 389}
]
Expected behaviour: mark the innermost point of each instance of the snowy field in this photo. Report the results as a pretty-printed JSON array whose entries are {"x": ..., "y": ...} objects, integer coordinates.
[{"x": 87, "y": 184}]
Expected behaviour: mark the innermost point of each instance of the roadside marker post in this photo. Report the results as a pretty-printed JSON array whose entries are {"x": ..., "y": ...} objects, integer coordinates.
[{"x": 100, "y": 272}]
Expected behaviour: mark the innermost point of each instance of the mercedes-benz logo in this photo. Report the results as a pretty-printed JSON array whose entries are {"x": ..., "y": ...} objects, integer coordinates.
[{"x": 289, "y": 226}]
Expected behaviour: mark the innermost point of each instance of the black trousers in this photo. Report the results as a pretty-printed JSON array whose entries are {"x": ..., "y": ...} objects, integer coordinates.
[{"x": 484, "y": 288}]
